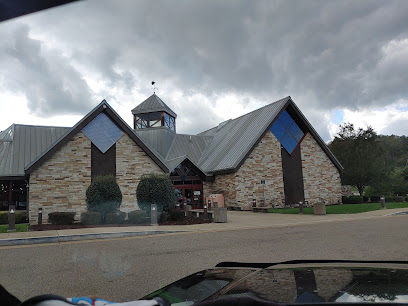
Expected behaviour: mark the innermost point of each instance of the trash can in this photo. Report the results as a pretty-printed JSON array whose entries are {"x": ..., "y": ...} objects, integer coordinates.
[
  {"x": 319, "y": 209},
  {"x": 220, "y": 215}
]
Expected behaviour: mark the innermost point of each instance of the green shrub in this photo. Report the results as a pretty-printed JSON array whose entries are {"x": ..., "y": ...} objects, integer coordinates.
[
  {"x": 4, "y": 217},
  {"x": 103, "y": 195},
  {"x": 375, "y": 199},
  {"x": 115, "y": 218},
  {"x": 399, "y": 199},
  {"x": 164, "y": 216},
  {"x": 406, "y": 199},
  {"x": 389, "y": 199},
  {"x": 137, "y": 217},
  {"x": 365, "y": 199},
  {"x": 21, "y": 217},
  {"x": 176, "y": 215},
  {"x": 91, "y": 218},
  {"x": 352, "y": 200},
  {"x": 155, "y": 189},
  {"x": 61, "y": 218}
]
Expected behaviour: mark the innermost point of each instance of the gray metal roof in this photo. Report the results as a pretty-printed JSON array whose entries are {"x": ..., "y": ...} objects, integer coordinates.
[
  {"x": 21, "y": 144},
  {"x": 159, "y": 138},
  {"x": 233, "y": 139},
  {"x": 153, "y": 104},
  {"x": 192, "y": 146}
]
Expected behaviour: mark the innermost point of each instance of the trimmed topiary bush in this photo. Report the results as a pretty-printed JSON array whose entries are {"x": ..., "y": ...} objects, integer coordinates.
[
  {"x": 115, "y": 218},
  {"x": 91, "y": 218},
  {"x": 103, "y": 195},
  {"x": 155, "y": 189},
  {"x": 399, "y": 199},
  {"x": 61, "y": 218},
  {"x": 137, "y": 217}
]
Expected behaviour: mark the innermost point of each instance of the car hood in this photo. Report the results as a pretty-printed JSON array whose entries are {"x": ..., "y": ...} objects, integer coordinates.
[{"x": 294, "y": 282}]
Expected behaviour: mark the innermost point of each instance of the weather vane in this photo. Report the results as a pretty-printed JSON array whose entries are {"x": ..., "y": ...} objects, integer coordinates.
[{"x": 154, "y": 87}]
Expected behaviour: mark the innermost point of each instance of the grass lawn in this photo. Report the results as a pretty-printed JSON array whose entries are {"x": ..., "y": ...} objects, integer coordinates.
[
  {"x": 340, "y": 209},
  {"x": 19, "y": 228}
]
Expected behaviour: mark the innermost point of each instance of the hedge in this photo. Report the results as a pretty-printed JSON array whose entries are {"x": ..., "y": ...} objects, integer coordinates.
[
  {"x": 352, "y": 200},
  {"x": 375, "y": 199},
  {"x": 91, "y": 218},
  {"x": 21, "y": 217},
  {"x": 61, "y": 218},
  {"x": 115, "y": 218},
  {"x": 137, "y": 217},
  {"x": 399, "y": 199},
  {"x": 176, "y": 215}
]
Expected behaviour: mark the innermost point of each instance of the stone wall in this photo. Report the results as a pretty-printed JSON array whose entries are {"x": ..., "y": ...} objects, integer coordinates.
[
  {"x": 241, "y": 187},
  {"x": 131, "y": 163},
  {"x": 60, "y": 183},
  {"x": 321, "y": 178}
]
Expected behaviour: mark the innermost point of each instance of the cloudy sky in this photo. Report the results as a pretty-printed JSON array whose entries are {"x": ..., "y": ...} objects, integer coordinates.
[{"x": 340, "y": 61}]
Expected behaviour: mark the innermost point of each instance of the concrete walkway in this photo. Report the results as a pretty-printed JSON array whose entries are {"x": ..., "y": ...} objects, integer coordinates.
[{"x": 236, "y": 220}]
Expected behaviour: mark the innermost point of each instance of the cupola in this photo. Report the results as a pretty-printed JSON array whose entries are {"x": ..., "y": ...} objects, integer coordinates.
[{"x": 152, "y": 113}]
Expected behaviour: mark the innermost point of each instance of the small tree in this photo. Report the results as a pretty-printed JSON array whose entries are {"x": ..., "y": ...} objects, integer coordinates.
[
  {"x": 155, "y": 189},
  {"x": 359, "y": 152},
  {"x": 103, "y": 195}
]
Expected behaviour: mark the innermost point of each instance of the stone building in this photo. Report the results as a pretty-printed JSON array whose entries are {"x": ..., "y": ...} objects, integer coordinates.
[{"x": 272, "y": 156}]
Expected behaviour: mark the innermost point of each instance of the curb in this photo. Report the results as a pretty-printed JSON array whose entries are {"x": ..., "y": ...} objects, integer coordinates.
[{"x": 67, "y": 238}]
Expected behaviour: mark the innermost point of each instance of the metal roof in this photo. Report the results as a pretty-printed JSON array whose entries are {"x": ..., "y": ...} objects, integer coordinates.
[
  {"x": 159, "y": 138},
  {"x": 192, "y": 146},
  {"x": 233, "y": 139},
  {"x": 21, "y": 144},
  {"x": 153, "y": 104}
]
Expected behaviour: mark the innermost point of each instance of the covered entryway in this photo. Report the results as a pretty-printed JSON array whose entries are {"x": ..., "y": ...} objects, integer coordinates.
[{"x": 188, "y": 183}]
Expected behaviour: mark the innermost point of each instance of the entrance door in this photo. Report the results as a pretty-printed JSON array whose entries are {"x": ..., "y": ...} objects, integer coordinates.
[{"x": 189, "y": 194}]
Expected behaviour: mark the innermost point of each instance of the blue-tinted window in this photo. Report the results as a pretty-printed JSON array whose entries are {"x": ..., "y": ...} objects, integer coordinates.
[
  {"x": 278, "y": 129},
  {"x": 296, "y": 132},
  {"x": 102, "y": 132},
  {"x": 286, "y": 119},
  {"x": 287, "y": 132},
  {"x": 289, "y": 143}
]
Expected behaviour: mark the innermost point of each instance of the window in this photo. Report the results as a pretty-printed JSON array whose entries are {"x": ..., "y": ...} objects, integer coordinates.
[{"x": 287, "y": 132}]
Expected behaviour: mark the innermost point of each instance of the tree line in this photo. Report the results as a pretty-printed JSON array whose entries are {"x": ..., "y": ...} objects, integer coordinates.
[{"x": 375, "y": 164}]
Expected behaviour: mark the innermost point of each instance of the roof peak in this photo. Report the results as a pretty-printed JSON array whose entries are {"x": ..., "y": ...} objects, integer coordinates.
[{"x": 153, "y": 104}]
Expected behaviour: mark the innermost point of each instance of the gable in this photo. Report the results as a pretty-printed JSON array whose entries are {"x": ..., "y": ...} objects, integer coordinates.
[{"x": 109, "y": 113}]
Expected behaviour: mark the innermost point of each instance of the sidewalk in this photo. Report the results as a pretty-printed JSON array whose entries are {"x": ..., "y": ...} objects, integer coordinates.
[{"x": 236, "y": 220}]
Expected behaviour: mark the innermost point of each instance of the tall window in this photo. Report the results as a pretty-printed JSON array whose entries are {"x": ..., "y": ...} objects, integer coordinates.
[{"x": 287, "y": 132}]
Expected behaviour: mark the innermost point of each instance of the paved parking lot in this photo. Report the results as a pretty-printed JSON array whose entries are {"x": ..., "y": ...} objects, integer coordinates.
[{"x": 127, "y": 268}]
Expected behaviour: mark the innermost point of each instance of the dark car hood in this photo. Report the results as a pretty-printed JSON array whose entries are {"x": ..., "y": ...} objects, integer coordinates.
[{"x": 294, "y": 282}]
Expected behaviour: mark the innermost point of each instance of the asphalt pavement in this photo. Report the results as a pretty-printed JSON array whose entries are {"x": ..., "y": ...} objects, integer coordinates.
[
  {"x": 236, "y": 220},
  {"x": 127, "y": 268}
]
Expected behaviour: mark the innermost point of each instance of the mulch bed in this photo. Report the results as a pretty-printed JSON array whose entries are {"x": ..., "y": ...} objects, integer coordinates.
[{"x": 50, "y": 227}]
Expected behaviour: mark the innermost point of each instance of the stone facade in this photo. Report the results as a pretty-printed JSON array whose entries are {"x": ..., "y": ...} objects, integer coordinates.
[
  {"x": 60, "y": 183},
  {"x": 321, "y": 178},
  {"x": 241, "y": 187},
  {"x": 131, "y": 163}
]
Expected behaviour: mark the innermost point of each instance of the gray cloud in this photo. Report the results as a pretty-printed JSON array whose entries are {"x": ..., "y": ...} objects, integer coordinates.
[{"x": 325, "y": 54}]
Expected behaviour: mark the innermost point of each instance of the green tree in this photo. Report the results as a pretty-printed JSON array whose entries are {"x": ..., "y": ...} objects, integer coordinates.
[
  {"x": 155, "y": 189},
  {"x": 359, "y": 152}
]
